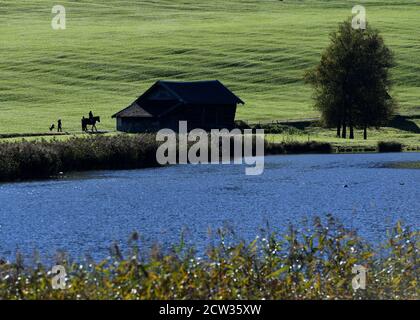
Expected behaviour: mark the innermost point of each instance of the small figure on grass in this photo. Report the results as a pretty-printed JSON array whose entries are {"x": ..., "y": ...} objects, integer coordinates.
[{"x": 84, "y": 124}]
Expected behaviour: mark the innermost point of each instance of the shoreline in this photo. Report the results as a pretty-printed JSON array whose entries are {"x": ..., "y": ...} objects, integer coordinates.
[{"x": 22, "y": 161}]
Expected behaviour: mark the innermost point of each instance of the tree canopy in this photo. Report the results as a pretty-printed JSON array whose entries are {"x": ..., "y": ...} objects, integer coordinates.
[{"x": 352, "y": 82}]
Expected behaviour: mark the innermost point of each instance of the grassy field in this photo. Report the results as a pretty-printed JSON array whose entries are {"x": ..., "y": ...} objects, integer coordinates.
[
  {"x": 113, "y": 50},
  {"x": 410, "y": 140}
]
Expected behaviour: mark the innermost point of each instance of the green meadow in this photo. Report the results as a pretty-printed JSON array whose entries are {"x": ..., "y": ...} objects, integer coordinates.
[
  {"x": 410, "y": 140},
  {"x": 111, "y": 51}
]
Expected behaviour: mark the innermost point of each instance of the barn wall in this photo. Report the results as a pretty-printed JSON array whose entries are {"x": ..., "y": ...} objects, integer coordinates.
[
  {"x": 137, "y": 125},
  {"x": 204, "y": 117}
]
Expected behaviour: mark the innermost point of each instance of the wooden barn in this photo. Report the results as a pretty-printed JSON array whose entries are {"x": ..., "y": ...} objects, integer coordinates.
[{"x": 203, "y": 104}]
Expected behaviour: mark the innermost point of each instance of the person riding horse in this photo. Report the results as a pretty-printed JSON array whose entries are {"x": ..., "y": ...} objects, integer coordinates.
[{"x": 90, "y": 121}]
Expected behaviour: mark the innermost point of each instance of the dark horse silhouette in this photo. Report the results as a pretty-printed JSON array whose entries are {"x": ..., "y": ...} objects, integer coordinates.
[{"x": 90, "y": 122}]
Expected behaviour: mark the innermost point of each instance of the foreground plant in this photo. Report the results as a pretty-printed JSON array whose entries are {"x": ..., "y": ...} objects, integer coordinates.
[{"x": 313, "y": 263}]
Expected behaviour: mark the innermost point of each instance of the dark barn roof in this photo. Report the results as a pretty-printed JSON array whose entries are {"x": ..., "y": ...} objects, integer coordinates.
[
  {"x": 196, "y": 93},
  {"x": 136, "y": 110},
  {"x": 202, "y": 92}
]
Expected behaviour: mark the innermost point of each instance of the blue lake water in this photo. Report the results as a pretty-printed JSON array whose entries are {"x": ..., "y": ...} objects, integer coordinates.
[{"x": 85, "y": 213}]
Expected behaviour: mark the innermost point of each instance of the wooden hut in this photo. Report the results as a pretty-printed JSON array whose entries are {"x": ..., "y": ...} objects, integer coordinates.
[{"x": 203, "y": 104}]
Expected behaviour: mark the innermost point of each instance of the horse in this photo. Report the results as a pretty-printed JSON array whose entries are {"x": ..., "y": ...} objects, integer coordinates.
[{"x": 90, "y": 122}]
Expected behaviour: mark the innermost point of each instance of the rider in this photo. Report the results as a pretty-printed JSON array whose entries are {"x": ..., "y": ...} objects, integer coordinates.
[{"x": 90, "y": 115}]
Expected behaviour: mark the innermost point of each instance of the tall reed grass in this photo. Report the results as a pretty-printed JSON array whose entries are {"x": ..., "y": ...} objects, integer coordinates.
[
  {"x": 43, "y": 159},
  {"x": 315, "y": 262}
]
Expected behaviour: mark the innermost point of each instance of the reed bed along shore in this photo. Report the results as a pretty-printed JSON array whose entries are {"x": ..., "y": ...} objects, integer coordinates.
[
  {"x": 314, "y": 262},
  {"x": 22, "y": 160},
  {"x": 43, "y": 159}
]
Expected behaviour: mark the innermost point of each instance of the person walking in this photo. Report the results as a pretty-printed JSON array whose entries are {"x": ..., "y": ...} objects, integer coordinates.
[
  {"x": 84, "y": 124},
  {"x": 59, "y": 126}
]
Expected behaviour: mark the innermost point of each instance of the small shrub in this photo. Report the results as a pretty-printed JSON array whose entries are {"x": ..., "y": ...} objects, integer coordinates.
[
  {"x": 298, "y": 147},
  {"x": 390, "y": 146}
]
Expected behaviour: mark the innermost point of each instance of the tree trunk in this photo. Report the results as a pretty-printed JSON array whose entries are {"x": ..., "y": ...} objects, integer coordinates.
[
  {"x": 351, "y": 132},
  {"x": 344, "y": 131},
  {"x": 338, "y": 130},
  {"x": 365, "y": 132}
]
